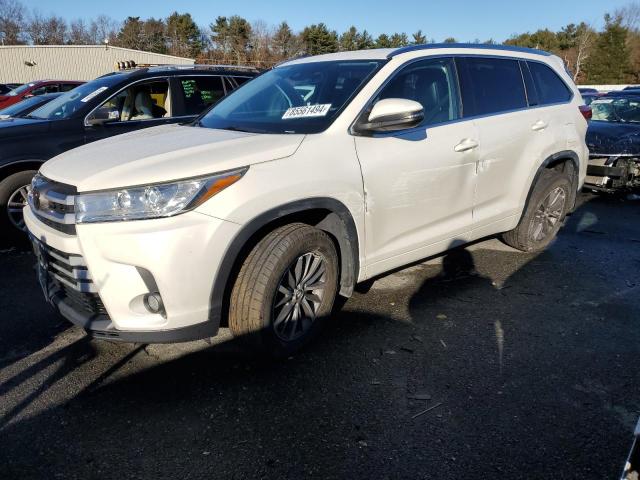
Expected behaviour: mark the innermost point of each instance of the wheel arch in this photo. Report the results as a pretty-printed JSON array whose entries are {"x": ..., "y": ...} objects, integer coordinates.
[
  {"x": 327, "y": 214},
  {"x": 561, "y": 161},
  {"x": 19, "y": 166}
]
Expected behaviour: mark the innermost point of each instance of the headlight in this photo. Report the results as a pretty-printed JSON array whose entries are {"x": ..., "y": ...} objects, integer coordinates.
[{"x": 152, "y": 201}]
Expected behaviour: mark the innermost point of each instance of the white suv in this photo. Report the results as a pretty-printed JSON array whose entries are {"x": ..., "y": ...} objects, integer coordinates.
[{"x": 318, "y": 175}]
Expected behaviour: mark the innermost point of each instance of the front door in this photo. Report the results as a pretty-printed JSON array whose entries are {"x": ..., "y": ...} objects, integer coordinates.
[
  {"x": 419, "y": 183},
  {"x": 140, "y": 105}
]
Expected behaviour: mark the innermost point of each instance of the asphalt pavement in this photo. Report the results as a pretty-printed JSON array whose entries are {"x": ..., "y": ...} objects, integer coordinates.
[{"x": 485, "y": 363}]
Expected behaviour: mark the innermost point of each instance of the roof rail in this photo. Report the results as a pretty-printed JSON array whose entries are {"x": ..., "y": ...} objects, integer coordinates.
[
  {"x": 227, "y": 67},
  {"x": 128, "y": 67},
  {"x": 482, "y": 46},
  {"x": 198, "y": 66}
]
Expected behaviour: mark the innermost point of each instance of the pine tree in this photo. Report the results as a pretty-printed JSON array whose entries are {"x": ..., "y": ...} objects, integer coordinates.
[
  {"x": 318, "y": 39},
  {"x": 184, "y": 35},
  {"x": 349, "y": 40},
  {"x": 419, "y": 38},
  {"x": 383, "y": 41},
  {"x": 284, "y": 41},
  {"x": 399, "y": 40},
  {"x": 610, "y": 62}
]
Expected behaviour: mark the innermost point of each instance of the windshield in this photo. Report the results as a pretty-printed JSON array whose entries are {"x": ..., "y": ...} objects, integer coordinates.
[
  {"x": 624, "y": 110},
  {"x": 302, "y": 98},
  {"x": 74, "y": 100},
  {"x": 20, "y": 89}
]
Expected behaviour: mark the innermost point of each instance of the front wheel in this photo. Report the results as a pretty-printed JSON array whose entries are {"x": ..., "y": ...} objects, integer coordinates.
[
  {"x": 544, "y": 213},
  {"x": 285, "y": 290}
]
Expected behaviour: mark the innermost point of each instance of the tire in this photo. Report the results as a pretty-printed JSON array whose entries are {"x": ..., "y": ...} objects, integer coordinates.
[
  {"x": 266, "y": 312},
  {"x": 544, "y": 213},
  {"x": 10, "y": 189}
]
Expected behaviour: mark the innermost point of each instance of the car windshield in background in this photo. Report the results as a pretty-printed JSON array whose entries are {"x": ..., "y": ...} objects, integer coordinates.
[
  {"x": 302, "y": 98},
  {"x": 623, "y": 110},
  {"x": 20, "y": 107},
  {"x": 20, "y": 89},
  {"x": 74, "y": 100}
]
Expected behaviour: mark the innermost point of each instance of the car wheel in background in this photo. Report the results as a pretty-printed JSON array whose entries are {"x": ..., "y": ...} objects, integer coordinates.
[{"x": 13, "y": 197}]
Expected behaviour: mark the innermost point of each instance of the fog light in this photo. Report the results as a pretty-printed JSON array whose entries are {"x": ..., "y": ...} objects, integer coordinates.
[{"x": 153, "y": 303}]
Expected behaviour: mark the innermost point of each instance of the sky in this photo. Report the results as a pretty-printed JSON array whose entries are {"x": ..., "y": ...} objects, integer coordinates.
[{"x": 465, "y": 20}]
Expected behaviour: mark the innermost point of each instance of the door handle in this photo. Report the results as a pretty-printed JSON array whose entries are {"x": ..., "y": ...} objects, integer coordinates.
[
  {"x": 466, "y": 145},
  {"x": 539, "y": 126}
]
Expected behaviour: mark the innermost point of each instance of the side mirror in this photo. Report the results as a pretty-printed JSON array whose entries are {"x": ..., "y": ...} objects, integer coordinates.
[
  {"x": 96, "y": 122},
  {"x": 102, "y": 117},
  {"x": 393, "y": 114}
]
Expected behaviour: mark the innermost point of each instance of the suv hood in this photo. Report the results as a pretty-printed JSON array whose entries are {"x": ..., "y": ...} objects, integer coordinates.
[
  {"x": 165, "y": 153},
  {"x": 613, "y": 138}
]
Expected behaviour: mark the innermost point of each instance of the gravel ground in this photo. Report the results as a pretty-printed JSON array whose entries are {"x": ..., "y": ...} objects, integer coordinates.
[{"x": 529, "y": 363}]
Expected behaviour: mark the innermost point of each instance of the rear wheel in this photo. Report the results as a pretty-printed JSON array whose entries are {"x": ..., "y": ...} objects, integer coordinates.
[
  {"x": 285, "y": 290},
  {"x": 13, "y": 198},
  {"x": 544, "y": 213}
]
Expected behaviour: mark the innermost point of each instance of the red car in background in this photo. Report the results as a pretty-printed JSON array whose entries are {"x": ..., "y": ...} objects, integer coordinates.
[{"x": 40, "y": 87}]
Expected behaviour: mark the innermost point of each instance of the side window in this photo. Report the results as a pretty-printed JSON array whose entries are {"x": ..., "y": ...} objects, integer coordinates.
[
  {"x": 44, "y": 89},
  {"x": 200, "y": 93},
  {"x": 234, "y": 82},
  {"x": 432, "y": 83},
  {"x": 140, "y": 101},
  {"x": 490, "y": 85},
  {"x": 551, "y": 89},
  {"x": 65, "y": 87}
]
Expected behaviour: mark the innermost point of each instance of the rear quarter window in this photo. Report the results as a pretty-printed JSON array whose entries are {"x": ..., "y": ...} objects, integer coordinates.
[
  {"x": 550, "y": 87},
  {"x": 490, "y": 85}
]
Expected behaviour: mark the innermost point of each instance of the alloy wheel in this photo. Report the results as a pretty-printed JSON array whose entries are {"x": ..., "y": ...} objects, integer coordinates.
[
  {"x": 299, "y": 296},
  {"x": 548, "y": 215},
  {"x": 17, "y": 201}
]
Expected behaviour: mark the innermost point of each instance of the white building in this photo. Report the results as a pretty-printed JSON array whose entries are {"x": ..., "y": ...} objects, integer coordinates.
[{"x": 26, "y": 63}]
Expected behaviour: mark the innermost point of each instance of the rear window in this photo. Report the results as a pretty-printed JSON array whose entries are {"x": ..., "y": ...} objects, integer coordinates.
[
  {"x": 490, "y": 85},
  {"x": 550, "y": 87}
]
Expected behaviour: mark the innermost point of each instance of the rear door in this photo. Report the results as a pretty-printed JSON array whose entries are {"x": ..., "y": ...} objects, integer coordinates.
[
  {"x": 494, "y": 95},
  {"x": 558, "y": 130},
  {"x": 196, "y": 93}
]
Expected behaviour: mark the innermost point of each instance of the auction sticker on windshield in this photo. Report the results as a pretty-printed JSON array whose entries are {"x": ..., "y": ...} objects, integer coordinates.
[
  {"x": 307, "y": 111},
  {"x": 93, "y": 94}
]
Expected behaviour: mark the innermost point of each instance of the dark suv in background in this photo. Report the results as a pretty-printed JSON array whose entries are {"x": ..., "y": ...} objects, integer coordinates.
[{"x": 110, "y": 105}]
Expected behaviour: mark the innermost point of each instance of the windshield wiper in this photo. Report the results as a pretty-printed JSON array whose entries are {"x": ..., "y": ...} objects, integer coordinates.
[{"x": 245, "y": 130}]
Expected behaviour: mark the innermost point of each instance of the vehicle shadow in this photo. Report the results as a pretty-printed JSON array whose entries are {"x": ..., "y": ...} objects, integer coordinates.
[
  {"x": 528, "y": 360},
  {"x": 28, "y": 324}
]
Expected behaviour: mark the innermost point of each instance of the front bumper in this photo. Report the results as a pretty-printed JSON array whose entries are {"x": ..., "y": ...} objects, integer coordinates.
[
  {"x": 98, "y": 277},
  {"x": 611, "y": 173}
]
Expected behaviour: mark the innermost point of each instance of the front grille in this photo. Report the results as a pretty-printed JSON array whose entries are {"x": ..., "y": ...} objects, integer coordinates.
[
  {"x": 68, "y": 278},
  {"x": 53, "y": 204},
  {"x": 86, "y": 302}
]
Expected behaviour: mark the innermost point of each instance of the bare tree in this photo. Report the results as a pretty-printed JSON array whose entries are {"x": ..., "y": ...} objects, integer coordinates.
[
  {"x": 103, "y": 28},
  {"x": 79, "y": 33},
  {"x": 585, "y": 40},
  {"x": 260, "y": 42},
  {"x": 11, "y": 22},
  {"x": 630, "y": 16},
  {"x": 46, "y": 30}
]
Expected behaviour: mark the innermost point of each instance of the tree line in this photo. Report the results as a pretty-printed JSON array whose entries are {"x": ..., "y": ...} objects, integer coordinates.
[{"x": 609, "y": 55}]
